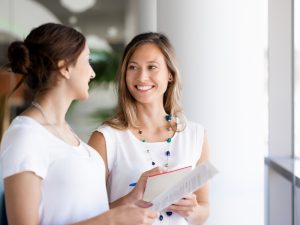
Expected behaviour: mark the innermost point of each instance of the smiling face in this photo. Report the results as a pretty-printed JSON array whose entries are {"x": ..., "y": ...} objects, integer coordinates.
[
  {"x": 147, "y": 74},
  {"x": 80, "y": 75}
]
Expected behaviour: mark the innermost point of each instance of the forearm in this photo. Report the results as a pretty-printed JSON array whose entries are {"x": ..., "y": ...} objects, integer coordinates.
[
  {"x": 125, "y": 200},
  {"x": 115, "y": 216},
  {"x": 200, "y": 215},
  {"x": 104, "y": 218}
]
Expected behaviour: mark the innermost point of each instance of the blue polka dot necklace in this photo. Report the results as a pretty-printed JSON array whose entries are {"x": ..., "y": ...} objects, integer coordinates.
[{"x": 167, "y": 154}]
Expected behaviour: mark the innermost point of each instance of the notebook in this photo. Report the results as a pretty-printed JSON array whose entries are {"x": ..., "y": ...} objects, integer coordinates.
[
  {"x": 159, "y": 183},
  {"x": 166, "y": 188}
]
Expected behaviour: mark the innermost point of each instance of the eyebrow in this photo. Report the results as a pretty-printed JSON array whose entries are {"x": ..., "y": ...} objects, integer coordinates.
[{"x": 152, "y": 61}]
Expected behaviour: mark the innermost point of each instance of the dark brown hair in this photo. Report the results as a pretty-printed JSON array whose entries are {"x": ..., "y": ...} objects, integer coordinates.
[
  {"x": 126, "y": 110},
  {"x": 38, "y": 55}
]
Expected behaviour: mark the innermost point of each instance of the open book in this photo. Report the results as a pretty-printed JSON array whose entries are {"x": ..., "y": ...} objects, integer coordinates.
[{"x": 166, "y": 188}]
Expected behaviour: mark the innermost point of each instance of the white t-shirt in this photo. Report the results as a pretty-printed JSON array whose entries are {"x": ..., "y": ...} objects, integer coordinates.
[
  {"x": 128, "y": 158},
  {"x": 73, "y": 177}
]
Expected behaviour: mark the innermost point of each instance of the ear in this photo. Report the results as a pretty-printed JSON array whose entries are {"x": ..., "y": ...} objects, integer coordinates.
[
  {"x": 170, "y": 78},
  {"x": 64, "y": 71}
]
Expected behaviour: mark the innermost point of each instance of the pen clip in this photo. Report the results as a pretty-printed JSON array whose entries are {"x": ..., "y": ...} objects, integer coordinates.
[{"x": 133, "y": 184}]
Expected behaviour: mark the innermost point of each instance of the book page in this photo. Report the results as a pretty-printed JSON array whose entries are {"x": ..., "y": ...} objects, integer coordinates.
[
  {"x": 188, "y": 184},
  {"x": 156, "y": 184}
]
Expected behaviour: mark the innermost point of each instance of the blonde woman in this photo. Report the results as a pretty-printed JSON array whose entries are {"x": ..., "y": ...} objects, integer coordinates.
[{"x": 149, "y": 129}]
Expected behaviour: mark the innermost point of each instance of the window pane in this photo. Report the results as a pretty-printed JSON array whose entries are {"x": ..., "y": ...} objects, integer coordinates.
[{"x": 297, "y": 77}]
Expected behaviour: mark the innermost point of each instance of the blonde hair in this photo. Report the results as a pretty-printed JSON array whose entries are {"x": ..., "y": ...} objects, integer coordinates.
[{"x": 126, "y": 111}]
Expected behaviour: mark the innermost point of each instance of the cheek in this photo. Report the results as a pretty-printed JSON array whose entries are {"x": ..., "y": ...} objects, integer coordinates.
[
  {"x": 164, "y": 83},
  {"x": 161, "y": 77},
  {"x": 128, "y": 79},
  {"x": 86, "y": 71}
]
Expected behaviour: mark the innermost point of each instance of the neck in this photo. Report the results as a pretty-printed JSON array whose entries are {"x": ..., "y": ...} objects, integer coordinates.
[
  {"x": 55, "y": 109},
  {"x": 151, "y": 117}
]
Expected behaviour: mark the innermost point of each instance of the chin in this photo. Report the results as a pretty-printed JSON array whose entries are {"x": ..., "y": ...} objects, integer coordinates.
[
  {"x": 144, "y": 100},
  {"x": 83, "y": 97}
]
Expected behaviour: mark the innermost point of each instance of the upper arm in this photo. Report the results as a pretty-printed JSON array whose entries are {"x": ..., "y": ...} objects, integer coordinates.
[
  {"x": 97, "y": 141},
  {"x": 22, "y": 198},
  {"x": 202, "y": 193}
]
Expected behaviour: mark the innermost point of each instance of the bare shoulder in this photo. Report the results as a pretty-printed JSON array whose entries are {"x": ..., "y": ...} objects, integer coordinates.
[
  {"x": 205, "y": 148},
  {"x": 97, "y": 141}
]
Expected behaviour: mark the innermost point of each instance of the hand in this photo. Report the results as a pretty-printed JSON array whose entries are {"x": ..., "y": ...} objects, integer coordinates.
[
  {"x": 185, "y": 207},
  {"x": 132, "y": 215},
  {"x": 138, "y": 192}
]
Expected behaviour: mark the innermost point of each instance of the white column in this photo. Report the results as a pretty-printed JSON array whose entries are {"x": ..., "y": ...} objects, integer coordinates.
[
  {"x": 280, "y": 192},
  {"x": 221, "y": 49},
  {"x": 280, "y": 82},
  {"x": 141, "y": 17}
]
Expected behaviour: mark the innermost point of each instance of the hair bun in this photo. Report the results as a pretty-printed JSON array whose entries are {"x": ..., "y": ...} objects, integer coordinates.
[{"x": 18, "y": 56}]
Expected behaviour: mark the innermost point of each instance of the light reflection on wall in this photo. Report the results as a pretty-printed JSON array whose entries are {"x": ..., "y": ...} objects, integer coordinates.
[
  {"x": 18, "y": 17},
  {"x": 297, "y": 78}
]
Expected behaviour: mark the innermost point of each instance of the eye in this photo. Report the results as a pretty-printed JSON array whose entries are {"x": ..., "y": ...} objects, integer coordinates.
[
  {"x": 90, "y": 61},
  {"x": 152, "y": 67},
  {"x": 132, "y": 67}
]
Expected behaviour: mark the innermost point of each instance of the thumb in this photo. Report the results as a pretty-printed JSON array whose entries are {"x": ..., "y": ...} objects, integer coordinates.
[{"x": 143, "y": 204}]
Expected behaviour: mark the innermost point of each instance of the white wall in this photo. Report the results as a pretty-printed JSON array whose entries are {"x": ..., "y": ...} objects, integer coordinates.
[{"x": 221, "y": 47}]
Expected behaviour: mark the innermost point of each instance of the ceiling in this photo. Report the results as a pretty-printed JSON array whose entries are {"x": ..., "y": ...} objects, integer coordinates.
[{"x": 105, "y": 19}]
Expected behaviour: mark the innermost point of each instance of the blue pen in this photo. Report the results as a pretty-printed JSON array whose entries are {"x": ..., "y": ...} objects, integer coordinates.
[{"x": 133, "y": 184}]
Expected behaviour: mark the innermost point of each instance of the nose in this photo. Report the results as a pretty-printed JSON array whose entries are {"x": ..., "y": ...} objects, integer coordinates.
[
  {"x": 143, "y": 75},
  {"x": 93, "y": 74}
]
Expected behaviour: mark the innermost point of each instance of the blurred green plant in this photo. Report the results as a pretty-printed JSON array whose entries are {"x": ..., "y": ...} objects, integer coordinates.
[
  {"x": 105, "y": 65},
  {"x": 102, "y": 114}
]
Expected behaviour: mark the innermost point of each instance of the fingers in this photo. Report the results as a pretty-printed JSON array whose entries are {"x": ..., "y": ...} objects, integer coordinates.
[
  {"x": 179, "y": 208},
  {"x": 152, "y": 215},
  {"x": 190, "y": 196},
  {"x": 185, "y": 206},
  {"x": 154, "y": 171},
  {"x": 130, "y": 214},
  {"x": 148, "y": 216},
  {"x": 184, "y": 211},
  {"x": 138, "y": 191},
  {"x": 143, "y": 179},
  {"x": 187, "y": 200}
]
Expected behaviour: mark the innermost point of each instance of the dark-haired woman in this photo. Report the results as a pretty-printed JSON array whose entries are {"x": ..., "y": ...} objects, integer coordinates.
[{"x": 50, "y": 175}]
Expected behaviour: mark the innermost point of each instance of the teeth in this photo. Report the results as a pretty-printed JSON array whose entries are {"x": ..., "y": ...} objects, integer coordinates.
[{"x": 144, "y": 88}]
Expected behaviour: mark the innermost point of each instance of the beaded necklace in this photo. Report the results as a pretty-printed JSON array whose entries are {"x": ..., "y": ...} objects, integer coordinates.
[{"x": 167, "y": 154}]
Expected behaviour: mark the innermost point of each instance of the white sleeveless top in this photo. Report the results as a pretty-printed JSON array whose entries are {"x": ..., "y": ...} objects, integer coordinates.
[
  {"x": 73, "y": 177},
  {"x": 128, "y": 158}
]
